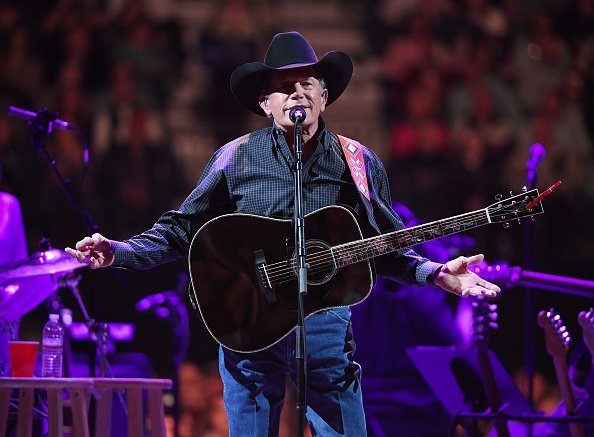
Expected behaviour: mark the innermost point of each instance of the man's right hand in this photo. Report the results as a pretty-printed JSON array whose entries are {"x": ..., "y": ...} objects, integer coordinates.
[{"x": 95, "y": 251}]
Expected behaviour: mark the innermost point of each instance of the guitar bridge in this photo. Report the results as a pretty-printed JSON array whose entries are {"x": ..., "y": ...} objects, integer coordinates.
[{"x": 262, "y": 276}]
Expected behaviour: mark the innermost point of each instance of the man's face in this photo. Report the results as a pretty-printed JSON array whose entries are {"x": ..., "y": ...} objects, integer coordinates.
[{"x": 291, "y": 88}]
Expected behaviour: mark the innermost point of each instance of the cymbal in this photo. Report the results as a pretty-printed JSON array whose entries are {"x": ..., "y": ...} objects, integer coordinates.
[
  {"x": 26, "y": 283},
  {"x": 19, "y": 296},
  {"x": 48, "y": 262}
]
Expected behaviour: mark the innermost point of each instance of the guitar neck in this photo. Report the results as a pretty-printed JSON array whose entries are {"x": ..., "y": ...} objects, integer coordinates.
[
  {"x": 564, "y": 384},
  {"x": 560, "y": 364},
  {"x": 362, "y": 250},
  {"x": 491, "y": 390}
]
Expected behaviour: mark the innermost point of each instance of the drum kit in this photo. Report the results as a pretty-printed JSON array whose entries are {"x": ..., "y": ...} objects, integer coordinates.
[{"x": 26, "y": 283}]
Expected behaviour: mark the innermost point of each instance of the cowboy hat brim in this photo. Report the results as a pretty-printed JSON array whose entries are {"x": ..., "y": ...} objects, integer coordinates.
[{"x": 248, "y": 79}]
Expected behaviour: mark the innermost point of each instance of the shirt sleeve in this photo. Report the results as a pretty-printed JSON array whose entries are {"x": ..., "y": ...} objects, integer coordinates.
[
  {"x": 405, "y": 265},
  {"x": 170, "y": 237}
]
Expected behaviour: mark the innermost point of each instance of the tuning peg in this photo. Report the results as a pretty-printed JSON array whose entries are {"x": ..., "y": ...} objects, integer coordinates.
[
  {"x": 524, "y": 189},
  {"x": 506, "y": 225},
  {"x": 498, "y": 197},
  {"x": 519, "y": 221},
  {"x": 564, "y": 335},
  {"x": 532, "y": 218}
]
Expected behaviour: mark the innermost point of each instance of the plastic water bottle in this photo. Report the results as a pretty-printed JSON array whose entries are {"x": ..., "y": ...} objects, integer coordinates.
[{"x": 52, "y": 345}]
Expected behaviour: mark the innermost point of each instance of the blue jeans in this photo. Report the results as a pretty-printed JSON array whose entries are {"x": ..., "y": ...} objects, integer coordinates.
[{"x": 254, "y": 384}]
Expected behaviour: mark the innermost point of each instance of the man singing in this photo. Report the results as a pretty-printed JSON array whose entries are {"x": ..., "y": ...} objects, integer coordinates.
[{"x": 254, "y": 175}]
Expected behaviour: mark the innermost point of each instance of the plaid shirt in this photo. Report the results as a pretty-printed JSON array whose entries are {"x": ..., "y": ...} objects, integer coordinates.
[{"x": 253, "y": 175}]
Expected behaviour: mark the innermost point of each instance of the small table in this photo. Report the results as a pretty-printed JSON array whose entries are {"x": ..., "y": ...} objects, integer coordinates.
[
  {"x": 103, "y": 392},
  {"x": 80, "y": 390}
]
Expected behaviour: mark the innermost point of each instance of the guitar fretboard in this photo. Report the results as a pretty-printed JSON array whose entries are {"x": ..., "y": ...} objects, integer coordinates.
[{"x": 361, "y": 250}]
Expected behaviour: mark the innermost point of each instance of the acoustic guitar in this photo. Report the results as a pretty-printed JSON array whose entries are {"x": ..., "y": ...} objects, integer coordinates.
[
  {"x": 242, "y": 266},
  {"x": 557, "y": 340}
]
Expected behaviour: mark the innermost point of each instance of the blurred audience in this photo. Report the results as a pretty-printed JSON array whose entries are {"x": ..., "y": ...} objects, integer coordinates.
[
  {"x": 230, "y": 38},
  {"x": 470, "y": 85}
]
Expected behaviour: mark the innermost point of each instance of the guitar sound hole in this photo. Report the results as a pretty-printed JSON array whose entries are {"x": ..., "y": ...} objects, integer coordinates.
[{"x": 321, "y": 262}]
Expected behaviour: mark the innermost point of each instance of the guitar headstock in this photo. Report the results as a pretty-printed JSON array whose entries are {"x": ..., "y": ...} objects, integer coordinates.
[
  {"x": 484, "y": 321},
  {"x": 557, "y": 337},
  {"x": 586, "y": 321},
  {"x": 516, "y": 207}
]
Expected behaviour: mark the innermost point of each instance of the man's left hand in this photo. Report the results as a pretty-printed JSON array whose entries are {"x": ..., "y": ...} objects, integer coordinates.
[{"x": 455, "y": 277}]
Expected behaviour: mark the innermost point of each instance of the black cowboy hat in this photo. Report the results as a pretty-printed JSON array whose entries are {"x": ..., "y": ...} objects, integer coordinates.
[{"x": 290, "y": 50}]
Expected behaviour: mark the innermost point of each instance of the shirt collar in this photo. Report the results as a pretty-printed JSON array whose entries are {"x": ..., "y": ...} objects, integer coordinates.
[{"x": 324, "y": 136}]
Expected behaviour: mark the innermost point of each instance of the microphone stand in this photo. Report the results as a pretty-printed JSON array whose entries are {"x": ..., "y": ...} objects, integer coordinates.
[
  {"x": 39, "y": 129},
  {"x": 299, "y": 221},
  {"x": 537, "y": 152}
]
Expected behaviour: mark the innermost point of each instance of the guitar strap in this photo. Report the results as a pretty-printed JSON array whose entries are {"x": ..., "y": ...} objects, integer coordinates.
[{"x": 353, "y": 152}]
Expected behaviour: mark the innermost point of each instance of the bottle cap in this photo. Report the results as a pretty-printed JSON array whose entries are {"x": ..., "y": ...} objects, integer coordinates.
[{"x": 54, "y": 317}]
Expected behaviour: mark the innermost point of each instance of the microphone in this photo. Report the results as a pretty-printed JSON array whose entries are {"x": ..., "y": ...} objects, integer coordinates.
[
  {"x": 536, "y": 153},
  {"x": 23, "y": 114},
  {"x": 297, "y": 115}
]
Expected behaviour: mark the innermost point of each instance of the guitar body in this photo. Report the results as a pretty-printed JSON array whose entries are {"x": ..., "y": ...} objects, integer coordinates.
[{"x": 237, "y": 309}]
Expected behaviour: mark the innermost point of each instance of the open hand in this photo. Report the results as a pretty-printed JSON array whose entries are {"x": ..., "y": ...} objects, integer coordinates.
[{"x": 455, "y": 277}]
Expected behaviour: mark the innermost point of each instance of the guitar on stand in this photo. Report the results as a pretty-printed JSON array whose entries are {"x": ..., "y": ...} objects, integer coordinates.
[
  {"x": 557, "y": 341},
  {"x": 484, "y": 316}
]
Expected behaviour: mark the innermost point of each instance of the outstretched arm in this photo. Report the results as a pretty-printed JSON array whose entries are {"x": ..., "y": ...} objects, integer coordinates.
[{"x": 455, "y": 277}]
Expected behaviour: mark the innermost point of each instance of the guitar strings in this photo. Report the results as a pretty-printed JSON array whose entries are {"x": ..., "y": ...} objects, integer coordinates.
[
  {"x": 378, "y": 241},
  {"x": 452, "y": 222},
  {"x": 282, "y": 271}
]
